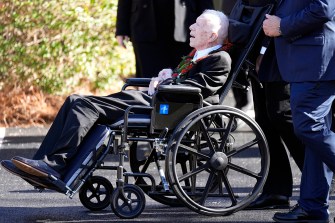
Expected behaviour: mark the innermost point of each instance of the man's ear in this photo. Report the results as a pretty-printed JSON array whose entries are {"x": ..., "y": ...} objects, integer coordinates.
[{"x": 213, "y": 37}]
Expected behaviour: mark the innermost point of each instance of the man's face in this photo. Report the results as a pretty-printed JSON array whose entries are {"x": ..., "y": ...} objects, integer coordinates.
[{"x": 200, "y": 34}]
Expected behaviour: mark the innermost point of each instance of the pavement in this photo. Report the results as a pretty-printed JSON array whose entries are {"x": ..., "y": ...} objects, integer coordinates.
[{"x": 21, "y": 203}]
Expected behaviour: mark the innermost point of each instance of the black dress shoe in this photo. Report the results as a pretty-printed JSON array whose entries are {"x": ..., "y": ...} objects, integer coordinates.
[
  {"x": 34, "y": 167},
  {"x": 31, "y": 179},
  {"x": 269, "y": 201},
  {"x": 299, "y": 215}
]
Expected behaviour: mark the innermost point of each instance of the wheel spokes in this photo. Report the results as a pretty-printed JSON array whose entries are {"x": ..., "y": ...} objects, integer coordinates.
[
  {"x": 244, "y": 171},
  {"x": 242, "y": 148},
  {"x": 229, "y": 189},
  {"x": 207, "y": 188},
  {"x": 193, "y": 172},
  {"x": 194, "y": 151}
]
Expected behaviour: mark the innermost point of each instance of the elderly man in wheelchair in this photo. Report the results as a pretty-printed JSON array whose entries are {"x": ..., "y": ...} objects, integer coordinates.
[
  {"x": 182, "y": 120},
  {"x": 206, "y": 68}
]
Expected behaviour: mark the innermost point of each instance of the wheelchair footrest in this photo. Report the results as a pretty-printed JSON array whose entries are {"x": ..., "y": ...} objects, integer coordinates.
[
  {"x": 158, "y": 192},
  {"x": 131, "y": 174}
]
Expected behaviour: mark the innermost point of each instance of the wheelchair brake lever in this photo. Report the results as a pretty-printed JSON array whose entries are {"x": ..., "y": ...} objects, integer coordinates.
[
  {"x": 159, "y": 144},
  {"x": 163, "y": 134}
]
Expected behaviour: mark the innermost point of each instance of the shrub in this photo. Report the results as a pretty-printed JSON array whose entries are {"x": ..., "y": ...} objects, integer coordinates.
[{"x": 58, "y": 45}]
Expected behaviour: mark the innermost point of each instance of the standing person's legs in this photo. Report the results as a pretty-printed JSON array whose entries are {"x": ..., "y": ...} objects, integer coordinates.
[
  {"x": 279, "y": 111},
  {"x": 311, "y": 109},
  {"x": 311, "y": 106},
  {"x": 138, "y": 65},
  {"x": 279, "y": 179},
  {"x": 278, "y": 186}
]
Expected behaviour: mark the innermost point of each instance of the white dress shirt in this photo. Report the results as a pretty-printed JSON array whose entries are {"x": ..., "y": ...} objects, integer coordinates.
[{"x": 205, "y": 52}]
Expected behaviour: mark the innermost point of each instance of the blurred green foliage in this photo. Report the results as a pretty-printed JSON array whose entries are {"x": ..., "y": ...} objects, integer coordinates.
[{"x": 58, "y": 45}]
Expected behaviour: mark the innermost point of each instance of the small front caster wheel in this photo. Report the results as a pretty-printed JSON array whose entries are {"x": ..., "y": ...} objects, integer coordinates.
[
  {"x": 95, "y": 193},
  {"x": 128, "y": 204}
]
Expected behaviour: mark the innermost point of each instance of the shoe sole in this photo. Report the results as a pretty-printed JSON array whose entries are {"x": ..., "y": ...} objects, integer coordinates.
[
  {"x": 32, "y": 181},
  {"x": 301, "y": 221},
  {"x": 29, "y": 169}
]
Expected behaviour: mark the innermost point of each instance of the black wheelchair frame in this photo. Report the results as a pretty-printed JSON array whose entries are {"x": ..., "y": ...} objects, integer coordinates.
[{"x": 189, "y": 157}]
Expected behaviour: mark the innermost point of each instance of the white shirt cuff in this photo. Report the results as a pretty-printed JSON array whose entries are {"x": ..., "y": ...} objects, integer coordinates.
[{"x": 263, "y": 49}]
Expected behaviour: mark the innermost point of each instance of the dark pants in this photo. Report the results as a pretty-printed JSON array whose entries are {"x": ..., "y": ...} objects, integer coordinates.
[
  {"x": 312, "y": 118},
  {"x": 273, "y": 114},
  {"x": 76, "y": 117}
]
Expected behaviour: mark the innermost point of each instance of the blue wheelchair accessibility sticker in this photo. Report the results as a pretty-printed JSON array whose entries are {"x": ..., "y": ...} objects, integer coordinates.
[{"x": 164, "y": 109}]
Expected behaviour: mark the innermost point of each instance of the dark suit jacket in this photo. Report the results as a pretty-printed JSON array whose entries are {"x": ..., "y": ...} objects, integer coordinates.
[
  {"x": 208, "y": 74},
  {"x": 305, "y": 51},
  {"x": 137, "y": 18}
]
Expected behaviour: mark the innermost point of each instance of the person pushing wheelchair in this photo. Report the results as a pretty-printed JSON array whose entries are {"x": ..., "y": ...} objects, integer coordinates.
[{"x": 206, "y": 67}]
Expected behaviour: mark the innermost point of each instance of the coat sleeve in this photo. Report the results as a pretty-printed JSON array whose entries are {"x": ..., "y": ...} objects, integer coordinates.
[
  {"x": 123, "y": 17},
  {"x": 204, "y": 4},
  {"x": 210, "y": 73},
  {"x": 309, "y": 19}
]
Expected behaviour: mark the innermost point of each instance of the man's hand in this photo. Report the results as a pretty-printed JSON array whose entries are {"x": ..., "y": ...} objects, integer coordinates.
[
  {"x": 165, "y": 74},
  {"x": 153, "y": 84},
  {"x": 271, "y": 25},
  {"x": 121, "y": 40},
  {"x": 162, "y": 76}
]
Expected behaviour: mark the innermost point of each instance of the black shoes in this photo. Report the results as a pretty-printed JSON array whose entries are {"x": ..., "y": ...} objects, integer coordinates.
[
  {"x": 269, "y": 201},
  {"x": 299, "y": 215},
  {"x": 33, "y": 180},
  {"x": 34, "y": 167}
]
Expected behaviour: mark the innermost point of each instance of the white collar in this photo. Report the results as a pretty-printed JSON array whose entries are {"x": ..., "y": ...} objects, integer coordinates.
[{"x": 205, "y": 52}]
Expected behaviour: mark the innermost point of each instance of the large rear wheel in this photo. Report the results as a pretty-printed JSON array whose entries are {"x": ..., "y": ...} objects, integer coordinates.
[{"x": 218, "y": 153}]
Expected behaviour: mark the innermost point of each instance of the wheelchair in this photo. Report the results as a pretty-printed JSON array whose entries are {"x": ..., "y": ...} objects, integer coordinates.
[{"x": 183, "y": 150}]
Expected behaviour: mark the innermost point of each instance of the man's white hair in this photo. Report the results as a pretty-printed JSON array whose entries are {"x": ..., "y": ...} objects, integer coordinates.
[{"x": 219, "y": 23}]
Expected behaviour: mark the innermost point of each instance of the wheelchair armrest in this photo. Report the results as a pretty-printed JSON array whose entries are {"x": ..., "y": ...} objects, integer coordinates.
[
  {"x": 178, "y": 89},
  {"x": 137, "y": 82}
]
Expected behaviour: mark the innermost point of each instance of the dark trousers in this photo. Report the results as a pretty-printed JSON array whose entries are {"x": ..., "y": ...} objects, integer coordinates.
[
  {"x": 76, "y": 117},
  {"x": 273, "y": 114},
  {"x": 312, "y": 118}
]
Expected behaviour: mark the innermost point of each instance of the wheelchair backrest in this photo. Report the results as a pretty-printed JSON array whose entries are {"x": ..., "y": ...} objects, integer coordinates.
[
  {"x": 245, "y": 28},
  {"x": 171, "y": 104}
]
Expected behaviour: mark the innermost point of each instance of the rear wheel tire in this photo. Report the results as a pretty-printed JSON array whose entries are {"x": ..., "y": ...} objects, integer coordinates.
[{"x": 218, "y": 154}]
